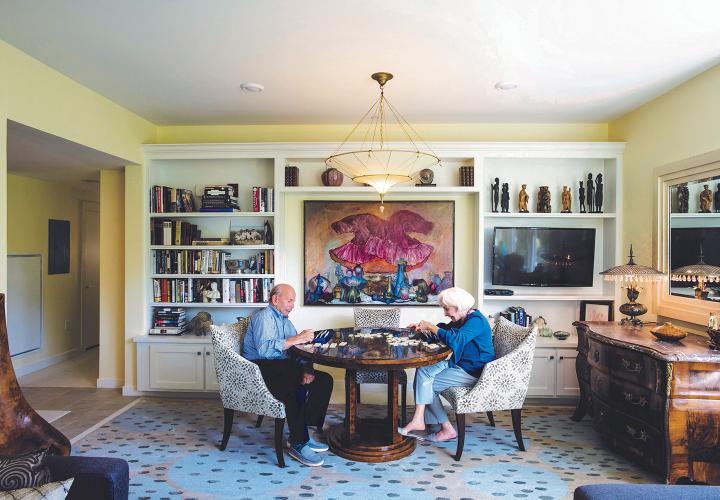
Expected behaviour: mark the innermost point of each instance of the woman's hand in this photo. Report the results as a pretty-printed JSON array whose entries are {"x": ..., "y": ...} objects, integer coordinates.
[
  {"x": 427, "y": 326},
  {"x": 412, "y": 326}
]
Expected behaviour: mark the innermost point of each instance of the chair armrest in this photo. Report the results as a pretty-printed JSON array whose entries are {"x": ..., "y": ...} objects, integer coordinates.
[
  {"x": 503, "y": 383},
  {"x": 95, "y": 477}
]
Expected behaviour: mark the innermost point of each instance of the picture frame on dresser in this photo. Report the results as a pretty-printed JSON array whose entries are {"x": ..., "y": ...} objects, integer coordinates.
[{"x": 597, "y": 310}]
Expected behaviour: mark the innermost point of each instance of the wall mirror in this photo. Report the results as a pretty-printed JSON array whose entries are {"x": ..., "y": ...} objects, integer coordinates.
[{"x": 688, "y": 238}]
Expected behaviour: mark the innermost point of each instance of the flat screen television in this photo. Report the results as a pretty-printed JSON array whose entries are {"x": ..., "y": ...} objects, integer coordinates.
[{"x": 543, "y": 256}]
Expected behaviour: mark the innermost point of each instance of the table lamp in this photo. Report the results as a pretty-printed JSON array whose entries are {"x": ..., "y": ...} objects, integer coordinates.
[
  {"x": 631, "y": 275},
  {"x": 700, "y": 273}
]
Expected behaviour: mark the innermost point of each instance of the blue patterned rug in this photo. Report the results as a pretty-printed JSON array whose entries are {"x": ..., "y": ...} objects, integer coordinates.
[{"x": 172, "y": 448}]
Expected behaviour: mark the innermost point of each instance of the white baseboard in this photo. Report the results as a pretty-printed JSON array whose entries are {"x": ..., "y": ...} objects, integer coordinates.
[
  {"x": 109, "y": 383},
  {"x": 44, "y": 363}
]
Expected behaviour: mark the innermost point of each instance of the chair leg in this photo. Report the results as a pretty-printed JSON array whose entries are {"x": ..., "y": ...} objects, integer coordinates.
[
  {"x": 227, "y": 427},
  {"x": 491, "y": 418},
  {"x": 460, "y": 421},
  {"x": 279, "y": 427},
  {"x": 516, "y": 415},
  {"x": 259, "y": 421},
  {"x": 403, "y": 402}
]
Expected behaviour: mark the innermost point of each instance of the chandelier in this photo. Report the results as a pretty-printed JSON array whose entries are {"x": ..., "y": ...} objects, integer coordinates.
[{"x": 372, "y": 162}]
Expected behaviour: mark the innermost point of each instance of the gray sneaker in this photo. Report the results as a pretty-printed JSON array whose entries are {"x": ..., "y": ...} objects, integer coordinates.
[
  {"x": 314, "y": 445},
  {"x": 306, "y": 456}
]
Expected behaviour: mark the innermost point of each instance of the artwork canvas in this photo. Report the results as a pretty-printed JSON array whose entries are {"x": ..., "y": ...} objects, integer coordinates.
[
  {"x": 355, "y": 254},
  {"x": 600, "y": 310}
]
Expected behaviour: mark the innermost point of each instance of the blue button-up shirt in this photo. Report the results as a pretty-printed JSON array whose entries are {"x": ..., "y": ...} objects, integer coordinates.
[{"x": 266, "y": 335}]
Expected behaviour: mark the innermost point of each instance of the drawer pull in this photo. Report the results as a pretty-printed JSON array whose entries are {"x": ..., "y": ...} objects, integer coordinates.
[
  {"x": 630, "y": 366},
  {"x": 640, "y": 435},
  {"x": 552, "y": 357},
  {"x": 562, "y": 357},
  {"x": 207, "y": 353},
  {"x": 642, "y": 401},
  {"x": 596, "y": 355},
  {"x": 199, "y": 353}
]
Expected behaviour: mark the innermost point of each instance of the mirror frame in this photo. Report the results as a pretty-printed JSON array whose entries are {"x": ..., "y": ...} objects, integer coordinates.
[{"x": 687, "y": 170}]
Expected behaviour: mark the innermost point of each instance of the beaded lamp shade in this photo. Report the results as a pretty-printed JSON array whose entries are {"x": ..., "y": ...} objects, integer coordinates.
[
  {"x": 700, "y": 273},
  {"x": 632, "y": 274}
]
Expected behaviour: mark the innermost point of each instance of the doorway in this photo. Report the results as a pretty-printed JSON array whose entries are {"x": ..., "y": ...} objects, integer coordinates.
[{"x": 90, "y": 274}]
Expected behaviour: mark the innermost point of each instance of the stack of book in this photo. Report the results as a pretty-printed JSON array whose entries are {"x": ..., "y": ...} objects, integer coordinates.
[
  {"x": 173, "y": 232},
  {"x": 169, "y": 199},
  {"x": 517, "y": 315},
  {"x": 190, "y": 261},
  {"x": 263, "y": 199},
  {"x": 168, "y": 321},
  {"x": 219, "y": 199},
  {"x": 467, "y": 176}
]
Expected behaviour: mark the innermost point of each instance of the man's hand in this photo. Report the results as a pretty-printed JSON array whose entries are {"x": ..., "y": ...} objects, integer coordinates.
[
  {"x": 308, "y": 378},
  {"x": 304, "y": 337}
]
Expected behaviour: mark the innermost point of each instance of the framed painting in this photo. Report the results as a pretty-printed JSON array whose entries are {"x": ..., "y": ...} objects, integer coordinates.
[
  {"x": 356, "y": 255},
  {"x": 597, "y": 310}
]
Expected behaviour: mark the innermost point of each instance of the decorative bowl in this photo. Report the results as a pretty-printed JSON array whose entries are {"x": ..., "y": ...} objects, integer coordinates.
[
  {"x": 669, "y": 332},
  {"x": 560, "y": 335}
]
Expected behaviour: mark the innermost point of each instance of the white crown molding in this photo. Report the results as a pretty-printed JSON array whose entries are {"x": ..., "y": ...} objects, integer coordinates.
[{"x": 467, "y": 150}]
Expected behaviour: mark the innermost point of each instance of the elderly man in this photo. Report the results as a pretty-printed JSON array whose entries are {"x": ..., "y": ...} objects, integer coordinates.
[{"x": 304, "y": 391}]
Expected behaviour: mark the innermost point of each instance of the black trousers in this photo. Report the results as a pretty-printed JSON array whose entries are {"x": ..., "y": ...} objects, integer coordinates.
[{"x": 304, "y": 405}]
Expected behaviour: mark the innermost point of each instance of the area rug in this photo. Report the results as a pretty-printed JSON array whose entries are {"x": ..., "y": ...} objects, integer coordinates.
[{"x": 172, "y": 448}]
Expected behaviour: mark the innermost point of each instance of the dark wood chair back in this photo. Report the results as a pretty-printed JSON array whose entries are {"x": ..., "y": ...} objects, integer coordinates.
[{"x": 21, "y": 428}]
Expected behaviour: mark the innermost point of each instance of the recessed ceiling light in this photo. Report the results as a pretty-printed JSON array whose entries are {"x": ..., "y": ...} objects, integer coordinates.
[
  {"x": 252, "y": 87},
  {"x": 506, "y": 85}
]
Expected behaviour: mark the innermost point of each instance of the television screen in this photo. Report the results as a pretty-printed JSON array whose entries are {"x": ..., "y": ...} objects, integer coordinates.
[{"x": 543, "y": 256}]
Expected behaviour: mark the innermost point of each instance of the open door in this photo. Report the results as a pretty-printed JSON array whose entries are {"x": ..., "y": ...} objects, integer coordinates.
[{"x": 90, "y": 275}]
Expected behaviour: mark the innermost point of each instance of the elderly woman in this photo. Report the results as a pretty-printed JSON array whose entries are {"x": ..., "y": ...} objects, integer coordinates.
[{"x": 468, "y": 334}]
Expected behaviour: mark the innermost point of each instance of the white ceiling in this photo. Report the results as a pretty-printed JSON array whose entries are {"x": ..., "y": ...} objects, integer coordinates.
[{"x": 182, "y": 61}]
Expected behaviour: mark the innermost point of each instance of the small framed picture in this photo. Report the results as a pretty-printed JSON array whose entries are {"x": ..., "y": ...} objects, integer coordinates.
[
  {"x": 597, "y": 310},
  {"x": 232, "y": 266},
  {"x": 247, "y": 236}
]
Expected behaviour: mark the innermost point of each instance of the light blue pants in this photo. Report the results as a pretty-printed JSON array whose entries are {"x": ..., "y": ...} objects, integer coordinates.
[{"x": 431, "y": 380}]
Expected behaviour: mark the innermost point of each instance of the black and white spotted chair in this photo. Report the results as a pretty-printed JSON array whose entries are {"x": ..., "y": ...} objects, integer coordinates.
[
  {"x": 503, "y": 384},
  {"x": 242, "y": 387},
  {"x": 380, "y": 318}
]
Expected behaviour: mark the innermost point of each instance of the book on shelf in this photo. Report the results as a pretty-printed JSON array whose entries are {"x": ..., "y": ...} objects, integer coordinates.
[
  {"x": 210, "y": 241},
  {"x": 172, "y": 232},
  {"x": 165, "y": 199},
  {"x": 190, "y": 261},
  {"x": 263, "y": 199}
]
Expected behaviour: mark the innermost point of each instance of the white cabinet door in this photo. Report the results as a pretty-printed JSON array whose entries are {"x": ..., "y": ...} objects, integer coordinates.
[
  {"x": 177, "y": 366},
  {"x": 542, "y": 377},
  {"x": 211, "y": 381},
  {"x": 567, "y": 381}
]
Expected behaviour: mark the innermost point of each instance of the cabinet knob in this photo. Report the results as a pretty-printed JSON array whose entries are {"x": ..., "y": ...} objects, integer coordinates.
[
  {"x": 552, "y": 357},
  {"x": 199, "y": 353},
  {"x": 562, "y": 357},
  {"x": 207, "y": 353}
]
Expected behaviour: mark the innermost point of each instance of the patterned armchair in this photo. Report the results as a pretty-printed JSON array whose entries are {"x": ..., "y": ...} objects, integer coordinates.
[
  {"x": 242, "y": 387},
  {"x": 380, "y": 318},
  {"x": 503, "y": 384}
]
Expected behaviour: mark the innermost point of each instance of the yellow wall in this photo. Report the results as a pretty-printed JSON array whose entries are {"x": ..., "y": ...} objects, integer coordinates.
[
  {"x": 571, "y": 132},
  {"x": 31, "y": 203},
  {"x": 112, "y": 272},
  {"x": 682, "y": 123}
]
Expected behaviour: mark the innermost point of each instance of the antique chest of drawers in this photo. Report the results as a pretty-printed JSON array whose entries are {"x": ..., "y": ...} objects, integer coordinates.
[{"x": 654, "y": 401}]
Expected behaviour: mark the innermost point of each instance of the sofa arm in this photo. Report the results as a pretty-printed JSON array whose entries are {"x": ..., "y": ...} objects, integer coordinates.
[
  {"x": 645, "y": 492},
  {"x": 95, "y": 477}
]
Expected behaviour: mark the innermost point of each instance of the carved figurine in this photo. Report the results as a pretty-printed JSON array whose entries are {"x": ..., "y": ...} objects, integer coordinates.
[
  {"x": 581, "y": 195},
  {"x": 523, "y": 198},
  {"x": 590, "y": 195},
  {"x": 543, "y": 203},
  {"x": 683, "y": 198},
  {"x": 566, "y": 200},
  {"x": 706, "y": 199},
  {"x": 717, "y": 199},
  {"x": 505, "y": 198},
  {"x": 598, "y": 193},
  {"x": 495, "y": 194}
]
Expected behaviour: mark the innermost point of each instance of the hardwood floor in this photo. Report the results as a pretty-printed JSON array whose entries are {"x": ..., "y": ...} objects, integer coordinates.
[
  {"x": 80, "y": 371},
  {"x": 87, "y": 406}
]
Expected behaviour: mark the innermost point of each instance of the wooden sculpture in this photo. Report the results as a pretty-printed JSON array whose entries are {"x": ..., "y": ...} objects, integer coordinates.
[{"x": 21, "y": 428}]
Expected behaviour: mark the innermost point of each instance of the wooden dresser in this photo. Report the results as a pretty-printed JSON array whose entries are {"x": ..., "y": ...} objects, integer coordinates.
[{"x": 653, "y": 401}]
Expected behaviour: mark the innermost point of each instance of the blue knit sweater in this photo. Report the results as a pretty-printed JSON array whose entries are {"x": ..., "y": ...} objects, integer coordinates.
[{"x": 471, "y": 342}]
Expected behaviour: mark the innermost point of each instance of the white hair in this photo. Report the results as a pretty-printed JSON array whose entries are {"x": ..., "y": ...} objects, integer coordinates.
[{"x": 456, "y": 297}]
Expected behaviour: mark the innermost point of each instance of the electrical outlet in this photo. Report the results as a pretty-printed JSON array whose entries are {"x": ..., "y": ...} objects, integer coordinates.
[{"x": 67, "y": 325}]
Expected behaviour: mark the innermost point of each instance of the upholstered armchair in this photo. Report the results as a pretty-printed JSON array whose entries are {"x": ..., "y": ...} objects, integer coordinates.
[
  {"x": 503, "y": 384},
  {"x": 380, "y": 318},
  {"x": 242, "y": 387}
]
